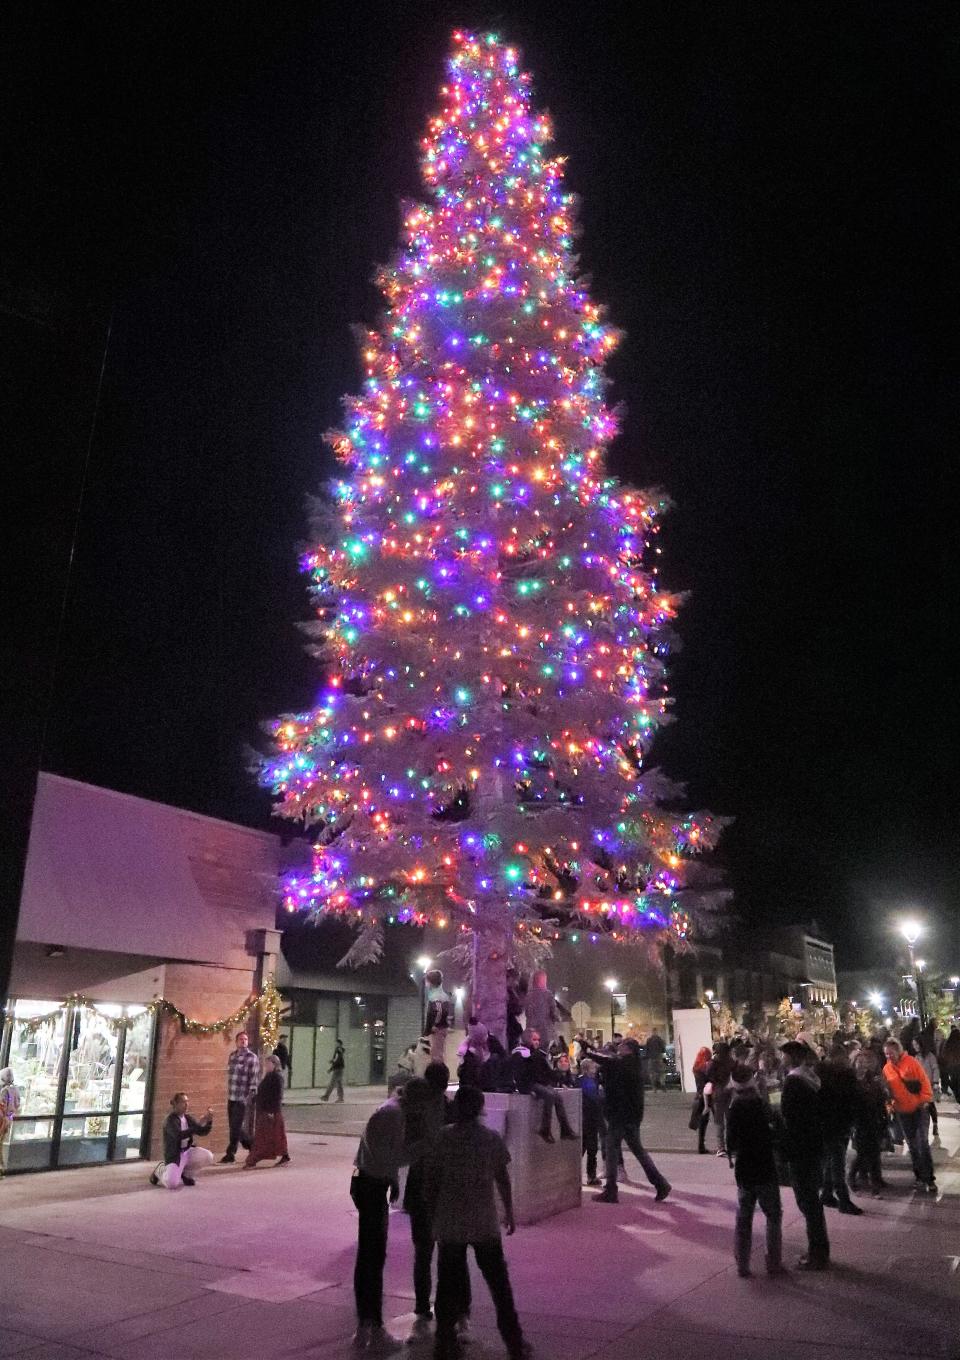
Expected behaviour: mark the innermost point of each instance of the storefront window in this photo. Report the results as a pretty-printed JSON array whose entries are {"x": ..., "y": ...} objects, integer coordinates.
[{"x": 82, "y": 1080}]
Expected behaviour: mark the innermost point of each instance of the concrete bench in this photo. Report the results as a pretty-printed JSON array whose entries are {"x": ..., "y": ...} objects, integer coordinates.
[{"x": 546, "y": 1176}]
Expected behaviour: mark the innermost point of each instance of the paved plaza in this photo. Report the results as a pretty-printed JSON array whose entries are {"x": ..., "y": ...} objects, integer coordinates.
[{"x": 257, "y": 1265}]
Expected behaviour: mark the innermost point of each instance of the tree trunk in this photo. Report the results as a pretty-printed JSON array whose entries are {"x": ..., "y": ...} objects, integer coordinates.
[{"x": 490, "y": 947}]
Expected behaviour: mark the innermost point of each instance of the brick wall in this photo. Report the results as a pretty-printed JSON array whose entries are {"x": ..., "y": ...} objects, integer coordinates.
[{"x": 191, "y": 1063}]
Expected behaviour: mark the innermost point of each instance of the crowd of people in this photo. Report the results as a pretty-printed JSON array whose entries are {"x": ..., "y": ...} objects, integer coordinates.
[{"x": 875, "y": 1093}]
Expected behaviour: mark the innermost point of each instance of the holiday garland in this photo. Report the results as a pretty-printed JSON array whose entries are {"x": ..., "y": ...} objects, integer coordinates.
[{"x": 267, "y": 1001}]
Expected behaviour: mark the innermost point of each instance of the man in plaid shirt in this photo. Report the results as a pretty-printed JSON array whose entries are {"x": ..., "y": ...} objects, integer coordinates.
[{"x": 243, "y": 1073}]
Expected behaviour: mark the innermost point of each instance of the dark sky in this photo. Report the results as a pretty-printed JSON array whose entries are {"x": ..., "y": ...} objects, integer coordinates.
[{"x": 765, "y": 213}]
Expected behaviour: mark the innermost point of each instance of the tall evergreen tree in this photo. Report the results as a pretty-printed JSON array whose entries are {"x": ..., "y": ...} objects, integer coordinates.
[{"x": 490, "y": 623}]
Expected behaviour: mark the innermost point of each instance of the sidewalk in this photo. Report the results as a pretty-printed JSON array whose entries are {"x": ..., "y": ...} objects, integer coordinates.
[{"x": 258, "y": 1266}]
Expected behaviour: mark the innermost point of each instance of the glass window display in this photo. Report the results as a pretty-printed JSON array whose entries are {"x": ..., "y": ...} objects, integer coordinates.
[{"x": 83, "y": 1082}]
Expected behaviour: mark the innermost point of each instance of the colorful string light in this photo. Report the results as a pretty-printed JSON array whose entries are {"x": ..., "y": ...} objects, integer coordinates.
[{"x": 494, "y": 638}]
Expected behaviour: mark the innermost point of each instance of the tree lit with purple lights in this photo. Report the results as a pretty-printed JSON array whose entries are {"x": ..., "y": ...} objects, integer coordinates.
[{"x": 489, "y": 621}]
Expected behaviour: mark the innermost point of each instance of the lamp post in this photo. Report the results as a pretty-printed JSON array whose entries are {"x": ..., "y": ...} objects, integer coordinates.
[
  {"x": 424, "y": 964},
  {"x": 911, "y": 932},
  {"x": 709, "y": 995},
  {"x": 611, "y": 985}
]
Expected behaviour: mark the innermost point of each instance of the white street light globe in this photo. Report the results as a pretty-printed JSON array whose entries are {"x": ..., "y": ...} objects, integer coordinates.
[
  {"x": 875, "y": 999},
  {"x": 423, "y": 962},
  {"x": 911, "y": 932},
  {"x": 611, "y": 984}
]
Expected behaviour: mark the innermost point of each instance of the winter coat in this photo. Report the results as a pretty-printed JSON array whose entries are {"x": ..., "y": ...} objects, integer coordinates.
[
  {"x": 622, "y": 1079},
  {"x": 749, "y": 1139},
  {"x": 800, "y": 1107},
  {"x": 176, "y": 1140},
  {"x": 907, "y": 1069},
  {"x": 270, "y": 1093}
]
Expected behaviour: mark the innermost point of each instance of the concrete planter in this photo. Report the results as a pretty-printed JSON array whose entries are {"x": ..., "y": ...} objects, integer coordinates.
[{"x": 546, "y": 1176}]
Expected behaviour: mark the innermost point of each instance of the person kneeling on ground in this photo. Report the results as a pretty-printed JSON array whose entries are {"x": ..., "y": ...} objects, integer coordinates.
[
  {"x": 533, "y": 1076},
  {"x": 468, "y": 1159},
  {"x": 180, "y": 1157},
  {"x": 750, "y": 1149}
]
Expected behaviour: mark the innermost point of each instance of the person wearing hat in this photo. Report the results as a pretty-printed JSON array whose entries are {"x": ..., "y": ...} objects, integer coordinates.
[
  {"x": 800, "y": 1108},
  {"x": 750, "y": 1149}
]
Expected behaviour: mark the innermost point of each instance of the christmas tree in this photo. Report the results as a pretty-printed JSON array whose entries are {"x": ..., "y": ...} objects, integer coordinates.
[{"x": 492, "y": 633}]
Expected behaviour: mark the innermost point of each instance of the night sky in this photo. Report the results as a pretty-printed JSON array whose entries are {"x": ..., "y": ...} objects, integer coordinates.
[{"x": 764, "y": 209}]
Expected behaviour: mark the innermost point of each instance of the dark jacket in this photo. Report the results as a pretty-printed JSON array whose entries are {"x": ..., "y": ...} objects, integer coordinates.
[
  {"x": 529, "y": 1069},
  {"x": 655, "y": 1046},
  {"x": 800, "y": 1107},
  {"x": 270, "y": 1093},
  {"x": 749, "y": 1140},
  {"x": 339, "y": 1061},
  {"x": 591, "y": 1106},
  {"x": 838, "y": 1098},
  {"x": 622, "y": 1087},
  {"x": 177, "y": 1140}
]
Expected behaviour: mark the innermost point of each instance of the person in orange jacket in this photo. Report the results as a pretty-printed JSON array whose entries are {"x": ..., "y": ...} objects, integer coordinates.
[{"x": 911, "y": 1093}]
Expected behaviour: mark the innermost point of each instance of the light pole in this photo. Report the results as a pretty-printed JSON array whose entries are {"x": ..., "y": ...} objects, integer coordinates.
[
  {"x": 911, "y": 932},
  {"x": 709, "y": 995},
  {"x": 424, "y": 964},
  {"x": 611, "y": 985}
]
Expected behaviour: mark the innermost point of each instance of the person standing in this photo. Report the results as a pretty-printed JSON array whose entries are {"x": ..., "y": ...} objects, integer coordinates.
[
  {"x": 869, "y": 1122},
  {"x": 439, "y": 1016},
  {"x": 800, "y": 1108},
  {"x": 656, "y": 1053},
  {"x": 950, "y": 1063},
  {"x": 337, "y": 1063},
  {"x": 838, "y": 1098},
  {"x": 467, "y": 1162},
  {"x": 243, "y": 1073},
  {"x": 623, "y": 1103},
  {"x": 594, "y": 1128},
  {"x": 718, "y": 1080},
  {"x": 9, "y": 1106},
  {"x": 380, "y": 1155},
  {"x": 180, "y": 1157},
  {"x": 911, "y": 1093},
  {"x": 269, "y": 1134},
  {"x": 700, "y": 1115},
  {"x": 425, "y": 1110},
  {"x": 540, "y": 1005},
  {"x": 283, "y": 1053},
  {"x": 750, "y": 1149}
]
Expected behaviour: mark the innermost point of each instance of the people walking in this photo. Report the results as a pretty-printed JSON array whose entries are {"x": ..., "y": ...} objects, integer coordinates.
[
  {"x": 750, "y": 1149},
  {"x": 243, "y": 1073},
  {"x": 181, "y": 1158},
  {"x": 9, "y": 1107},
  {"x": 800, "y": 1108},
  {"x": 911, "y": 1093},
  {"x": 622, "y": 1076},
  {"x": 700, "y": 1115},
  {"x": 838, "y": 1094},
  {"x": 469, "y": 1160},
  {"x": 335, "y": 1068},
  {"x": 269, "y": 1134},
  {"x": 377, "y": 1164},
  {"x": 656, "y": 1051}
]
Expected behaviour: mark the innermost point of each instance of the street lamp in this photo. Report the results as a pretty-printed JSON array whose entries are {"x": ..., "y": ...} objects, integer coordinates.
[
  {"x": 709, "y": 994},
  {"x": 611, "y": 985},
  {"x": 424, "y": 963},
  {"x": 911, "y": 932},
  {"x": 876, "y": 1001}
]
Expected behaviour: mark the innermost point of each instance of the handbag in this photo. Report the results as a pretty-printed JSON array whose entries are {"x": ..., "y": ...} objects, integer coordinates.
[{"x": 912, "y": 1085}]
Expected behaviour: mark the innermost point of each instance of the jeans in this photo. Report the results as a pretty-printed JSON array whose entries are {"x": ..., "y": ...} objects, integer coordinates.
[
  {"x": 721, "y": 1104},
  {"x": 421, "y": 1233},
  {"x": 768, "y": 1197},
  {"x": 453, "y": 1294},
  {"x": 550, "y": 1099},
  {"x": 656, "y": 1073},
  {"x": 336, "y": 1084},
  {"x": 591, "y": 1146},
  {"x": 835, "y": 1168},
  {"x": 369, "y": 1194},
  {"x": 702, "y": 1131},
  {"x": 915, "y": 1129},
  {"x": 807, "y": 1178},
  {"x": 617, "y": 1134},
  {"x": 236, "y": 1109}
]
